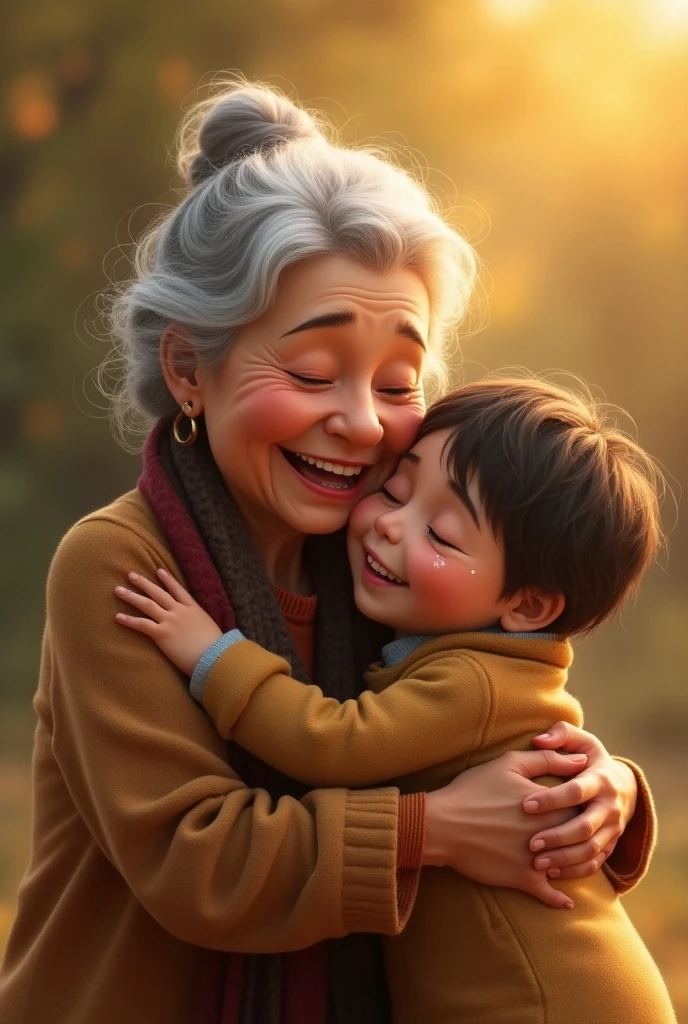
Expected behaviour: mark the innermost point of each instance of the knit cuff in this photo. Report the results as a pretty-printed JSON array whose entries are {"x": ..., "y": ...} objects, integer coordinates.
[
  {"x": 630, "y": 860},
  {"x": 369, "y": 878},
  {"x": 208, "y": 659},
  {"x": 410, "y": 843}
]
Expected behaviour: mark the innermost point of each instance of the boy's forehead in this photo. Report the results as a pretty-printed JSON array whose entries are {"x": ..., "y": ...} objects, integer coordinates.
[{"x": 432, "y": 457}]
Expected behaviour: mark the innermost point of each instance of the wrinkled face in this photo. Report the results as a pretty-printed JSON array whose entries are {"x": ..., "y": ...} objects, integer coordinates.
[
  {"x": 421, "y": 562},
  {"x": 317, "y": 399}
]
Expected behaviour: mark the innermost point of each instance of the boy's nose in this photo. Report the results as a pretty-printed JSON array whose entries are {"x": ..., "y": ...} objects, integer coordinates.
[{"x": 389, "y": 526}]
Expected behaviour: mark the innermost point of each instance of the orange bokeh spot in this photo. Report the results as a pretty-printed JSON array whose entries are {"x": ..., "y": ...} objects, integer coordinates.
[
  {"x": 32, "y": 109},
  {"x": 43, "y": 420},
  {"x": 73, "y": 254},
  {"x": 173, "y": 78}
]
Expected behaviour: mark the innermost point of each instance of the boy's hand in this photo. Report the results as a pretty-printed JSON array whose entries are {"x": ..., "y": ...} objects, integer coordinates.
[{"x": 179, "y": 626}]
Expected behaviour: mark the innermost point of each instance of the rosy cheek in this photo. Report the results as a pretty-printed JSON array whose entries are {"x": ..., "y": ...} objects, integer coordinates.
[
  {"x": 277, "y": 414},
  {"x": 443, "y": 582},
  {"x": 401, "y": 426},
  {"x": 363, "y": 516}
]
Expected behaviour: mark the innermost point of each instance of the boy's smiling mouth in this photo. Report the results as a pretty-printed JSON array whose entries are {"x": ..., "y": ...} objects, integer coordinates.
[{"x": 376, "y": 567}]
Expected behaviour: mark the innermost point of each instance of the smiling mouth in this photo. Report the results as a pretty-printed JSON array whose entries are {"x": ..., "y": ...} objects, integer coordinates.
[
  {"x": 338, "y": 476},
  {"x": 382, "y": 571}
]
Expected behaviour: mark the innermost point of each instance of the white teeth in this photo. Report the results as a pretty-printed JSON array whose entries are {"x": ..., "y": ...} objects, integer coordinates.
[
  {"x": 331, "y": 467},
  {"x": 381, "y": 571}
]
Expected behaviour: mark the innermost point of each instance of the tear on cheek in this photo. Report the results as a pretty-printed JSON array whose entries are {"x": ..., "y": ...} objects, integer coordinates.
[{"x": 439, "y": 562}]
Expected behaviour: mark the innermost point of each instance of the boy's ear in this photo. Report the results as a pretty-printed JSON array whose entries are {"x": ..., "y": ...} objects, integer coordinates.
[{"x": 531, "y": 609}]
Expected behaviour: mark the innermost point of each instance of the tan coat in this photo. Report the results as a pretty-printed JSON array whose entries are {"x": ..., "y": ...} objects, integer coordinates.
[
  {"x": 145, "y": 844},
  {"x": 470, "y": 954}
]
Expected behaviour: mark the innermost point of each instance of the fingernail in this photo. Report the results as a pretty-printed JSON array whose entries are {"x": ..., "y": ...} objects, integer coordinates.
[
  {"x": 120, "y": 590},
  {"x": 133, "y": 575},
  {"x": 537, "y": 844},
  {"x": 578, "y": 757},
  {"x": 161, "y": 572},
  {"x": 554, "y": 873},
  {"x": 544, "y": 736},
  {"x": 120, "y": 616},
  {"x": 568, "y": 906},
  {"x": 542, "y": 862},
  {"x": 531, "y": 805}
]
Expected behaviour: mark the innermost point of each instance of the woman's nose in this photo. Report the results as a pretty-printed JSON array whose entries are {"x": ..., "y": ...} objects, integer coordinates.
[{"x": 357, "y": 421}]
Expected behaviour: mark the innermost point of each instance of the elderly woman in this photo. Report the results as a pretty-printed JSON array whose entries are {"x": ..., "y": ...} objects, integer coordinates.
[{"x": 284, "y": 320}]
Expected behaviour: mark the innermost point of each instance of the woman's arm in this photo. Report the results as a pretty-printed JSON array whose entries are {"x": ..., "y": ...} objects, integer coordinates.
[{"x": 214, "y": 862}]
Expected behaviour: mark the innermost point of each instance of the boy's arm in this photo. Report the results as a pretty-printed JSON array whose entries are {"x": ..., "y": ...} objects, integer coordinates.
[{"x": 320, "y": 741}]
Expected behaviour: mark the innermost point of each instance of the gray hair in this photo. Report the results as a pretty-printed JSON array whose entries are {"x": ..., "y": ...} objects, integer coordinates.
[{"x": 267, "y": 189}]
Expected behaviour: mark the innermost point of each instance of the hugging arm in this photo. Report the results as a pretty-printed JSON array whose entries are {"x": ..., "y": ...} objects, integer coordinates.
[
  {"x": 477, "y": 824},
  {"x": 434, "y": 716},
  {"x": 214, "y": 862},
  {"x": 388, "y": 734}
]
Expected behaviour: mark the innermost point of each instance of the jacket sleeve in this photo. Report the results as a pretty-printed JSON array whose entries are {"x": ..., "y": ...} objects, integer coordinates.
[
  {"x": 632, "y": 854},
  {"x": 214, "y": 862},
  {"x": 320, "y": 741}
]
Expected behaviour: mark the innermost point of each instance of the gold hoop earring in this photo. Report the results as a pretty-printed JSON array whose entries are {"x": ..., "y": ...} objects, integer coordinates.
[{"x": 186, "y": 410}]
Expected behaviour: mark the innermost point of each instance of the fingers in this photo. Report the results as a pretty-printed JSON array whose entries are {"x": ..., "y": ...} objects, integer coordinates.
[
  {"x": 147, "y": 626},
  {"x": 532, "y": 763},
  {"x": 553, "y": 859},
  {"x": 579, "y": 829},
  {"x": 588, "y": 867},
  {"x": 564, "y": 736},
  {"x": 550, "y": 896},
  {"x": 156, "y": 593},
  {"x": 176, "y": 589},
  {"x": 144, "y": 604},
  {"x": 580, "y": 790}
]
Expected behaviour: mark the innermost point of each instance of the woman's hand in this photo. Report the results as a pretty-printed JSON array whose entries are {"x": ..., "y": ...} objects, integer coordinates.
[
  {"x": 477, "y": 826},
  {"x": 608, "y": 788},
  {"x": 180, "y": 627}
]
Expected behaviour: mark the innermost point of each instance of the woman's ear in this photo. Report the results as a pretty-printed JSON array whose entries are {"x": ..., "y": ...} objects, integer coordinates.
[
  {"x": 531, "y": 609},
  {"x": 179, "y": 363}
]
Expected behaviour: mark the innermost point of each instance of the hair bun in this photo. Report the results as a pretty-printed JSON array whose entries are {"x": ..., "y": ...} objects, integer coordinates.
[{"x": 241, "y": 120}]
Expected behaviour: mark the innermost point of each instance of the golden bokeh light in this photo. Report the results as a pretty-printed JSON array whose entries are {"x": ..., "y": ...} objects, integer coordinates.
[
  {"x": 33, "y": 111},
  {"x": 173, "y": 78}
]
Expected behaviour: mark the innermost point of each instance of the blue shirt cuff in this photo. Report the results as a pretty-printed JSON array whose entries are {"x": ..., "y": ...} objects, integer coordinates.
[{"x": 208, "y": 659}]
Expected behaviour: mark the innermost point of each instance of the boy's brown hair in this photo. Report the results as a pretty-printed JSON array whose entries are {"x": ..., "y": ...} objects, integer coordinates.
[{"x": 573, "y": 500}]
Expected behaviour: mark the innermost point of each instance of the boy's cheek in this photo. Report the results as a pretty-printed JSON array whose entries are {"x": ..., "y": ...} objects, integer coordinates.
[
  {"x": 445, "y": 588},
  {"x": 363, "y": 516}
]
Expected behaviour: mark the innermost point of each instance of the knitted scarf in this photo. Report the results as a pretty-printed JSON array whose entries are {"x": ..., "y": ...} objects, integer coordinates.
[{"x": 341, "y": 981}]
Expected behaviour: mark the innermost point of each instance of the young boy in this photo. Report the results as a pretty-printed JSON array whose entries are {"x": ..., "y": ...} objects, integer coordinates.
[{"x": 517, "y": 519}]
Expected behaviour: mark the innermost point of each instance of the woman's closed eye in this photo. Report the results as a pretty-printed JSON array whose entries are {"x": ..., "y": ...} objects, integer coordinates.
[
  {"x": 304, "y": 379},
  {"x": 407, "y": 389}
]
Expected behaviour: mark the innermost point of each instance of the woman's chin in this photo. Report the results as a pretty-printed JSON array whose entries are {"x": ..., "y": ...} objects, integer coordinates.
[{"x": 320, "y": 521}]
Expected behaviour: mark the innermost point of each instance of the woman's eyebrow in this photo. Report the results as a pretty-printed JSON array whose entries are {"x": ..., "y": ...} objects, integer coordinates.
[
  {"x": 404, "y": 328},
  {"x": 324, "y": 320}
]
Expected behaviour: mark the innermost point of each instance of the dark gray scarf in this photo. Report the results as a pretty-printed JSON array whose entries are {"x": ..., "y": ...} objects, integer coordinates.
[{"x": 345, "y": 644}]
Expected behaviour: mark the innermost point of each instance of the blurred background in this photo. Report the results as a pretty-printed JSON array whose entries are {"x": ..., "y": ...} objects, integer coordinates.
[{"x": 556, "y": 132}]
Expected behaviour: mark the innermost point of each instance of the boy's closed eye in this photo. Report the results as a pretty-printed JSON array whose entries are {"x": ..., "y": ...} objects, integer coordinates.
[
  {"x": 441, "y": 540},
  {"x": 388, "y": 496}
]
